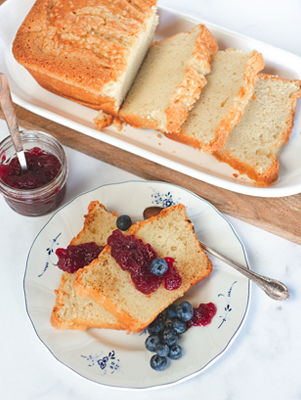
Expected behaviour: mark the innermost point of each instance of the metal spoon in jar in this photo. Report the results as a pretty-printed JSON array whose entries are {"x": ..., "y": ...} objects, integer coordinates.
[
  {"x": 11, "y": 120},
  {"x": 275, "y": 289}
]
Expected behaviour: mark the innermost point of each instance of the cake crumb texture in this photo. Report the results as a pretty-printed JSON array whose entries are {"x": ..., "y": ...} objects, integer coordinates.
[
  {"x": 230, "y": 85},
  {"x": 254, "y": 145}
]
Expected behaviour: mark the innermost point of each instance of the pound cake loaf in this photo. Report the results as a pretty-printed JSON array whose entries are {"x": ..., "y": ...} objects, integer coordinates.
[
  {"x": 170, "y": 80},
  {"x": 170, "y": 234},
  {"x": 88, "y": 51},
  {"x": 72, "y": 311},
  {"x": 254, "y": 144},
  {"x": 230, "y": 85}
]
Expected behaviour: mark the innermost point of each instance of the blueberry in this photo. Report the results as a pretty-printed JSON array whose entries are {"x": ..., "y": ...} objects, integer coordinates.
[
  {"x": 175, "y": 352},
  {"x": 185, "y": 311},
  {"x": 171, "y": 311},
  {"x": 169, "y": 336},
  {"x": 152, "y": 342},
  {"x": 158, "y": 363},
  {"x": 123, "y": 222},
  {"x": 162, "y": 316},
  {"x": 158, "y": 266},
  {"x": 162, "y": 350},
  {"x": 179, "y": 326},
  {"x": 156, "y": 326}
]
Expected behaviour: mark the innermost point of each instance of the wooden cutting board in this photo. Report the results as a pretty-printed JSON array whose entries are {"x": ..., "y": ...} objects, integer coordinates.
[{"x": 281, "y": 216}]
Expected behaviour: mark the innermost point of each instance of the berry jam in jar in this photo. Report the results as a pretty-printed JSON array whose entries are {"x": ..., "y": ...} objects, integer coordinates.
[{"x": 42, "y": 188}]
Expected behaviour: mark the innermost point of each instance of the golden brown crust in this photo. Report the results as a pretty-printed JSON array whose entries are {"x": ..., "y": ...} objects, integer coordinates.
[
  {"x": 271, "y": 175},
  {"x": 208, "y": 40},
  {"x": 138, "y": 120},
  {"x": 184, "y": 97},
  {"x": 78, "y": 94},
  {"x": 265, "y": 179},
  {"x": 90, "y": 217},
  {"x": 182, "y": 137},
  {"x": 74, "y": 48}
]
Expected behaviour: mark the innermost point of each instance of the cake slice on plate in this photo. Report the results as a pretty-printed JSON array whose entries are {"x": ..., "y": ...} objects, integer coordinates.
[
  {"x": 134, "y": 300},
  {"x": 72, "y": 311}
]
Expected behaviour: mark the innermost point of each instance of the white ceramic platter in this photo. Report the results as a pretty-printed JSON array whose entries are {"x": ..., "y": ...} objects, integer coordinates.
[
  {"x": 113, "y": 358},
  {"x": 144, "y": 142}
]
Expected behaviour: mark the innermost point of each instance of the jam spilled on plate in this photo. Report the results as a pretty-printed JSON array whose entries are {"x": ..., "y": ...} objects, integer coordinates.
[
  {"x": 42, "y": 167},
  {"x": 135, "y": 257},
  {"x": 77, "y": 256},
  {"x": 202, "y": 315}
]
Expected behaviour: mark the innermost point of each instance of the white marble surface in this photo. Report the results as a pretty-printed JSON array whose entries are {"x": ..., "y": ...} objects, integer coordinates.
[{"x": 263, "y": 362}]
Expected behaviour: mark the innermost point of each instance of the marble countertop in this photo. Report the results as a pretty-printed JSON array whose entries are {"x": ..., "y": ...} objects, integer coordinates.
[{"x": 264, "y": 360}]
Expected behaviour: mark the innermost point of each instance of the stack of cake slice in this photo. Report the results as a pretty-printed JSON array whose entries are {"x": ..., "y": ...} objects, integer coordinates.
[{"x": 102, "y": 294}]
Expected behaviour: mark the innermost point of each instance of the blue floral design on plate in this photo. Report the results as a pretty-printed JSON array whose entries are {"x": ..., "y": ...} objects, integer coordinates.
[
  {"x": 50, "y": 251},
  {"x": 107, "y": 364},
  {"x": 163, "y": 200},
  {"x": 227, "y": 307}
]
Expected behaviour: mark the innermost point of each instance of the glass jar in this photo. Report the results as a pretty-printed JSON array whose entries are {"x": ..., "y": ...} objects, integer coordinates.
[{"x": 43, "y": 199}]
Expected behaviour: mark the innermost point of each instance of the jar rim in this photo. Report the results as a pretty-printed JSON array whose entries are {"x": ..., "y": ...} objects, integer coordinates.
[{"x": 62, "y": 174}]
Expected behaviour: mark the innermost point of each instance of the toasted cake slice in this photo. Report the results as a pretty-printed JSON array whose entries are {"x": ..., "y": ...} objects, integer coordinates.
[
  {"x": 170, "y": 81},
  {"x": 87, "y": 51},
  {"x": 170, "y": 234},
  {"x": 230, "y": 85},
  {"x": 72, "y": 311},
  {"x": 254, "y": 144}
]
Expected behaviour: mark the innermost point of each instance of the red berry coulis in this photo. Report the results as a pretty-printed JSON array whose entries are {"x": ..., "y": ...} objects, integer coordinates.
[
  {"x": 135, "y": 257},
  {"x": 202, "y": 315},
  {"x": 77, "y": 256},
  {"x": 42, "y": 167},
  {"x": 172, "y": 278}
]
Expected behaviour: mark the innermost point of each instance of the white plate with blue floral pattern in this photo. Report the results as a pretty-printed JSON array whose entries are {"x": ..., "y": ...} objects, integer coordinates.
[{"x": 113, "y": 358}]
